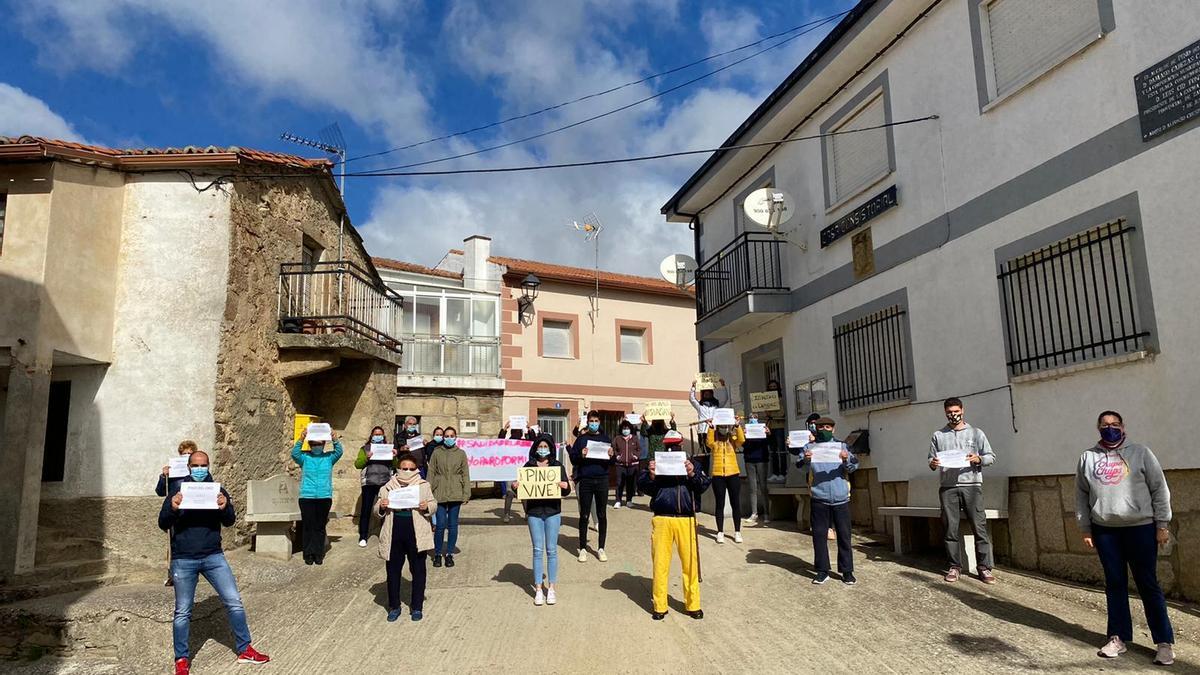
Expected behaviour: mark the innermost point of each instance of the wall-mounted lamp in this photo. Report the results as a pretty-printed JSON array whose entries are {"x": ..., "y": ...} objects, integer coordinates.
[{"x": 529, "y": 291}]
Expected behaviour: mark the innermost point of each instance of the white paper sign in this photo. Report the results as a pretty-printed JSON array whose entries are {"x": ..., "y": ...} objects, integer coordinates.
[
  {"x": 799, "y": 439},
  {"x": 670, "y": 463},
  {"x": 177, "y": 467},
  {"x": 415, "y": 443},
  {"x": 518, "y": 422},
  {"x": 404, "y": 498},
  {"x": 382, "y": 451},
  {"x": 634, "y": 418},
  {"x": 756, "y": 430},
  {"x": 596, "y": 450},
  {"x": 826, "y": 454},
  {"x": 582, "y": 420},
  {"x": 953, "y": 459},
  {"x": 724, "y": 417},
  {"x": 319, "y": 431},
  {"x": 199, "y": 495}
]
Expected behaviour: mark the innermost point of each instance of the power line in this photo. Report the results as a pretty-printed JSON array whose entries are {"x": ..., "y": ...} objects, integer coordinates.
[
  {"x": 609, "y": 112},
  {"x": 814, "y": 23}
]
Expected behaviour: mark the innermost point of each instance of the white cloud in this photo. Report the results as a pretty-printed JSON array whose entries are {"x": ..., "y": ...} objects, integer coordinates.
[{"x": 22, "y": 114}]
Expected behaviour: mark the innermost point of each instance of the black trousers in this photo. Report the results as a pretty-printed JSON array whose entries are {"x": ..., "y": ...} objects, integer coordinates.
[
  {"x": 594, "y": 488},
  {"x": 732, "y": 485},
  {"x": 404, "y": 548},
  {"x": 700, "y": 461},
  {"x": 626, "y": 482},
  {"x": 369, "y": 494},
  {"x": 824, "y": 516},
  {"x": 314, "y": 516}
]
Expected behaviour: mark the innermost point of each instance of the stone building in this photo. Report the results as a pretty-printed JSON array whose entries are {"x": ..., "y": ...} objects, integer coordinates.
[
  {"x": 148, "y": 296},
  {"x": 990, "y": 200}
]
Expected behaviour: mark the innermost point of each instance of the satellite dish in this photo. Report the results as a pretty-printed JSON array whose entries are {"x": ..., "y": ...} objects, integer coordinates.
[
  {"x": 679, "y": 269},
  {"x": 769, "y": 207}
]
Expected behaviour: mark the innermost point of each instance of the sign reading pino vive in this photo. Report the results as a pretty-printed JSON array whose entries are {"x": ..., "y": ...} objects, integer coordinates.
[
  {"x": 1168, "y": 92},
  {"x": 860, "y": 216},
  {"x": 535, "y": 482}
]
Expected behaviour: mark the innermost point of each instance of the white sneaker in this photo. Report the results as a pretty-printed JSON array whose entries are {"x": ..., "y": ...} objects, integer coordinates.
[
  {"x": 617, "y": 505},
  {"x": 1165, "y": 655},
  {"x": 753, "y": 519},
  {"x": 538, "y": 598},
  {"x": 362, "y": 543},
  {"x": 583, "y": 555},
  {"x": 602, "y": 555},
  {"x": 551, "y": 598},
  {"x": 720, "y": 537},
  {"x": 1112, "y": 649},
  {"x": 766, "y": 520},
  {"x": 737, "y": 537}
]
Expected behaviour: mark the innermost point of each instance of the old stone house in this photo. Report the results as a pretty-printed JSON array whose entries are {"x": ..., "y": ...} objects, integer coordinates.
[{"x": 148, "y": 296}]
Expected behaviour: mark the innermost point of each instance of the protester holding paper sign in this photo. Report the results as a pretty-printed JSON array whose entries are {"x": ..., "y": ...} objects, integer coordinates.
[
  {"x": 960, "y": 451},
  {"x": 195, "y": 551},
  {"x": 723, "y": 443},
  {"x": 544, "y": 517},
  {"x": 757, "y": 454},
  {"x": 591, "y": 474},
  {"x": 627, "y": 453},
  {"x": 706, "y": 408},
  {"x": 450, "y": 476},
  {"x": 830, "y": 463},
  {"x": 168, "y": 483},
  {"x": 316, "y": 491},
  {"x": 406, "y": 534},
  {"x": 376, "y": 472}
]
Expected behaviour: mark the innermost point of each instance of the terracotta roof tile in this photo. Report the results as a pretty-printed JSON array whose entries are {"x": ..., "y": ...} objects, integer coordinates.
[
  {"x": 50, "y": 147},
  {"x": 388, "y": 263},
  {"x": 583, "y": 275}
]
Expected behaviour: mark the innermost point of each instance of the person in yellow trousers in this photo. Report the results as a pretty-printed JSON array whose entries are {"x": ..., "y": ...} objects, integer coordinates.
[
  {"x": 673, "y": 501},
  {"x": 723, "y": 443}
]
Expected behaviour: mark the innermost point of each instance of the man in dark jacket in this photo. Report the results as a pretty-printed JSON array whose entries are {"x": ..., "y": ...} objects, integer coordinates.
[
  {"x": 591, "y": 479},
  {"x": 673, "y": 501},
  {"x": 196, "y": 550}
]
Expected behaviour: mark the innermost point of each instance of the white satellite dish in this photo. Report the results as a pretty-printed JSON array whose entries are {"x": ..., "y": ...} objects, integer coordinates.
[
  {"x": 769, "y": 207},
  {"x": 679, "y": 269}
]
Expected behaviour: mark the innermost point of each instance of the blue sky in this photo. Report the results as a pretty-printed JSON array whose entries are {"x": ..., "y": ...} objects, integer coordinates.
[{"x": 130, "y": 73}]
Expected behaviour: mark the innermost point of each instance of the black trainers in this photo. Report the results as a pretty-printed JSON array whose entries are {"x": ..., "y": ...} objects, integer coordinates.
[
  {"x": 449, "y": 560},
  {"x": 821, "y": 578},
  {"x": 848, "y": 579},
  {"x": 308, "y": 560},
  {"x": 437, "y": 560},
  {"x": 658, "y": 616},
  {"x": 698, "y": 614}
]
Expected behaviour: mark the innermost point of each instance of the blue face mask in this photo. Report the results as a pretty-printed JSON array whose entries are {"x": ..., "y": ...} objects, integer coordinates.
[
  {"x": 753, "y": 420},
  {"x": 543, "y": 452},
  {"x": 1111, "y": 434},
  {"x": 412, "y": 429},
  {"x": 377, "y": 438},
  {"x": 450, "y": 441},
  {"x": 317, "y": 449},
  {"x": 437, "y": 439},
  {"x": 199, "y": 473},
  {"x": 593, "y": 426},
  {"x": 625, "y": 432}
]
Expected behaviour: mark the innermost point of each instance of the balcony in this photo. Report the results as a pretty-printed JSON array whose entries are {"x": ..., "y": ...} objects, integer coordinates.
[
  {"x": 337, "y": 307},
  {"x": 740, "y": 286},
  {"x": 454, "y": 361}
]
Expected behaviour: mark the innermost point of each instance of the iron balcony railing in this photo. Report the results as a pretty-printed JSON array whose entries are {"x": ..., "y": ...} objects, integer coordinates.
[
  {"x": 429, "y": 354},
  {"x": 872, "y": 364},
  {"x": 338, "y": 297},
  {"x": 751, "y": 262}
]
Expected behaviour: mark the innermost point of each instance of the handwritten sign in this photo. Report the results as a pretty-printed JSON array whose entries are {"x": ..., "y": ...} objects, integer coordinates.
[
  {"x": 724, "y": 417},
  {"x": 799, "y": 439},
  {"x": 177, "y": 467},
  {"x": 319, "y": 431},
  {"x": 382, "y": 451},
  {"x": 708, "y": 381},
  {"x": 953, "y": 459},
  {"x": 764, "y": 401},
  {"x": 596, "y": 450},
  {"x": 756, "y": 431},
  {"x": 634, "y": 418},
  {"x": 404, "y": 498},
  {"x": 658, "y": 410},
  {"x": 823, "y": 453},
  {"x": 494, "y": 459},
  {"x": 538, "y": 482},
  {"x": 415, "y": 443},
  {"x": 670, "y": 463},
  {"x": 199, "y": 495},
  {"x": 520, "y": 422}
]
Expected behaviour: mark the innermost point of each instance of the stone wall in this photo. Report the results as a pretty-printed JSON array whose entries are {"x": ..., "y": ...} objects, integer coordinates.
[{"x": 450, "y": 406}]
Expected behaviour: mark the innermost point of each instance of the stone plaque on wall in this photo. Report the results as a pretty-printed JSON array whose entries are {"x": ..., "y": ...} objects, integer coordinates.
[
  {"x": 1168, "y": 92},
  {"x": 864, "y": 254}
]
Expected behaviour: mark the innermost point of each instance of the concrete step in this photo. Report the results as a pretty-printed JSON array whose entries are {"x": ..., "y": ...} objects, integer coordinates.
[
  {"x": 45, "y": 588},
  {"x": 52, "y": 550}
]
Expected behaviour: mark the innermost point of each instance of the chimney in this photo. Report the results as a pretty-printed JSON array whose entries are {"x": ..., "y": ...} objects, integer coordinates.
[{"x": 476, "y": 250}]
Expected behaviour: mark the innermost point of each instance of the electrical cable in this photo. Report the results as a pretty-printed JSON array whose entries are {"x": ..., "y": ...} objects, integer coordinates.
[{"x": 816, "y": 22}]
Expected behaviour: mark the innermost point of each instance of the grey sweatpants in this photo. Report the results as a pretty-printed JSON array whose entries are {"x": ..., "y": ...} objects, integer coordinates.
[
  {"x": 968, "y": 500},
  {"x": 756, "y": 476}
]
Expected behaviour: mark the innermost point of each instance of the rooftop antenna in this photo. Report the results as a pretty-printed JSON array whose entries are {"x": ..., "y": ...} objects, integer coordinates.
[
  {"x": 591, "y": 228},
  {"x": 334, "y": 143}
]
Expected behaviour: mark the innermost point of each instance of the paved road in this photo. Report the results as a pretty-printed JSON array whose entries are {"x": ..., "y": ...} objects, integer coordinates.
[{"x": 762, "y": 614}]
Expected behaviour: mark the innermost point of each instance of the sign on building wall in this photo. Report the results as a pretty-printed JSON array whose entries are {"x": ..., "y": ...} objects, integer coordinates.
[
  {"x": 864, "y": 254},
  {"x": 859, "y": 217},
  {"x": 1168, "y": 92}
]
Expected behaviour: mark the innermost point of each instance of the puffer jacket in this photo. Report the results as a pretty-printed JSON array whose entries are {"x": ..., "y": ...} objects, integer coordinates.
[
  {"x": 673, "y": 495},
  {"x": 723, "y": 460},
  {"x": 316, "y": 470},
  {"x": 374, "y": 471}
]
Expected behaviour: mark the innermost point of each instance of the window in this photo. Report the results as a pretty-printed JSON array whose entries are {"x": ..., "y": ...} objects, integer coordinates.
[
  {"x": 873, "y": 353},
  {"x": 1020, "y": 40},
  {"x": 556, "y": 339},
  {"x": 3, "y": 209},
  {"x": 812, "y": 397},
  {"x": 633, "y": 345},
  {"x": 1075, "y": 300},
  {"x": 855, "y": 161}
]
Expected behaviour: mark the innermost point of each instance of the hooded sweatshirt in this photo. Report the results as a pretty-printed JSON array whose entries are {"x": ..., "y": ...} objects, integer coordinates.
[
  {"x": 544, "y": 508},
  {"x": 1121, "y": 488},
  {"x": 827, "y": 481},
  {"x": 708, "y": 407},
  {"x": 969, "y": 439}
]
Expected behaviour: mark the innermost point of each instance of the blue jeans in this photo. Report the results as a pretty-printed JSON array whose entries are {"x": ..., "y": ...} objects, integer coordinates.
[
  {"x": 185, "y": 572},
  {"x": 447, "y": 519},
  {"x": 544, "y": 534},
  {"x": 1137, "y": 548}
]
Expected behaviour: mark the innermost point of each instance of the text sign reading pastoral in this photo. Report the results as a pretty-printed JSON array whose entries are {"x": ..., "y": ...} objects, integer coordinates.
[
  {"x": 859, "y": 217},
  {"x": 764, "y": 401},
  {"x": 494, "y": 459},
  {"x": 199, "y": 495},
  {"x": 537, "y": 482},
  {"x": 1168, "y": 92}
]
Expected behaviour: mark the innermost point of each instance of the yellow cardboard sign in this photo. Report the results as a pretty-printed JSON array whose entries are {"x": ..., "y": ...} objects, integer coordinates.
[
  {"x": 764, "y": 401},
  {"x": 708, "y": 381},
  {"x": 658, "y": 410},
  {"x": 538, "y": 482}
]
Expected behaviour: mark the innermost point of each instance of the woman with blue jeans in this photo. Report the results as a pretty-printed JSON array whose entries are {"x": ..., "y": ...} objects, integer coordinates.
[
  {"x": 544, "y": 517},
  {"x": 1123, "y": 507},
  {"x": 450, "y": 477}
]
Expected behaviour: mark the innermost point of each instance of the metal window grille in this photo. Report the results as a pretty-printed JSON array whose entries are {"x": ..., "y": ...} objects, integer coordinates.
[
  {"x": 871, "y": 359},
  {"x": 1072, "y": 301}
]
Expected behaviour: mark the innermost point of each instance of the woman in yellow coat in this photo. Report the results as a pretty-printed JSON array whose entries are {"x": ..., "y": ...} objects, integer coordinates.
[{"x": 723, "y": 444}]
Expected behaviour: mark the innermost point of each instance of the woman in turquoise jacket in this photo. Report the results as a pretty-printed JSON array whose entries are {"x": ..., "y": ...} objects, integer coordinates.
[{"x": 316, "y": 493}]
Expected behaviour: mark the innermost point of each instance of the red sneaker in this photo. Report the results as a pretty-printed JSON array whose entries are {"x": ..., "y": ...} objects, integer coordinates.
[
  {"x": 251, "y": 656},
  {"x": 183, "y": 666}
]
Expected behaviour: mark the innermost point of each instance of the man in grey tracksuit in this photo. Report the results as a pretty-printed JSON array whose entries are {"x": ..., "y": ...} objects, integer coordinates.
[{"x": 962, "y": 488}]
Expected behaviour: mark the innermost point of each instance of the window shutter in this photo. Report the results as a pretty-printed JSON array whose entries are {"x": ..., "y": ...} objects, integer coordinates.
[
  {"x": 1030, "y": 36},
  {"x": 556, "y": 338},
  {"x": 860, "y": 158},
  {"x": 631, "y": 345}
]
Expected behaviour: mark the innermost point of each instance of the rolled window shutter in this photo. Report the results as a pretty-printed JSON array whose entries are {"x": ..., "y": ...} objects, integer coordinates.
[
  {"x": 860, "y": 158},
  {"x": 1030, "y": 36}
]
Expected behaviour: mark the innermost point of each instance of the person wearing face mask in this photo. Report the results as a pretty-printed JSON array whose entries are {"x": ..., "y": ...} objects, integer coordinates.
[
  {"x": 962, "y": 489},
  {"x": 627, "y": 452},
  {"x": 406, "y": 535},
  {"x": 829, "y": 486},
  {"x": 316, "y": 493},
  {"x": 167, "y": 485},
  {"x": 195, "y": 551},
  {"x": 544, "y": 517},
  {"x": 375, "y": 473},
  {"x": 592, "y": 480},
  {"x": 723, "y": 443},
  {"x": 450, "y": 477},
  {"x": 411, "y": 429},
  {"x": 1123, "y": 508},
  {"x": 757, "y": 453},
  {"x": 706, "y": 406},
  {"x": 505, "y": 491}
]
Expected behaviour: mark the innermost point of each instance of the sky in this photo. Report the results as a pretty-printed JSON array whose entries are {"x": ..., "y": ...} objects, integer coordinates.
[{"x": 158, "y": 73}]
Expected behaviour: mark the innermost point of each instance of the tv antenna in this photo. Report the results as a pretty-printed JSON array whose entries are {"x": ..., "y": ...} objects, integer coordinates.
[
  {"x": 591, "y": 228},
  {"x": 334, "y": 143}
]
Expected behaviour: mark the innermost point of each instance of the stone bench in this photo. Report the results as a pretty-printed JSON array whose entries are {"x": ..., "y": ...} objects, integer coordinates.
[
  {"x": 925, "y": 502},
  {"x": 273, "y": 505},
  {"x": 789, "y": 498}
]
